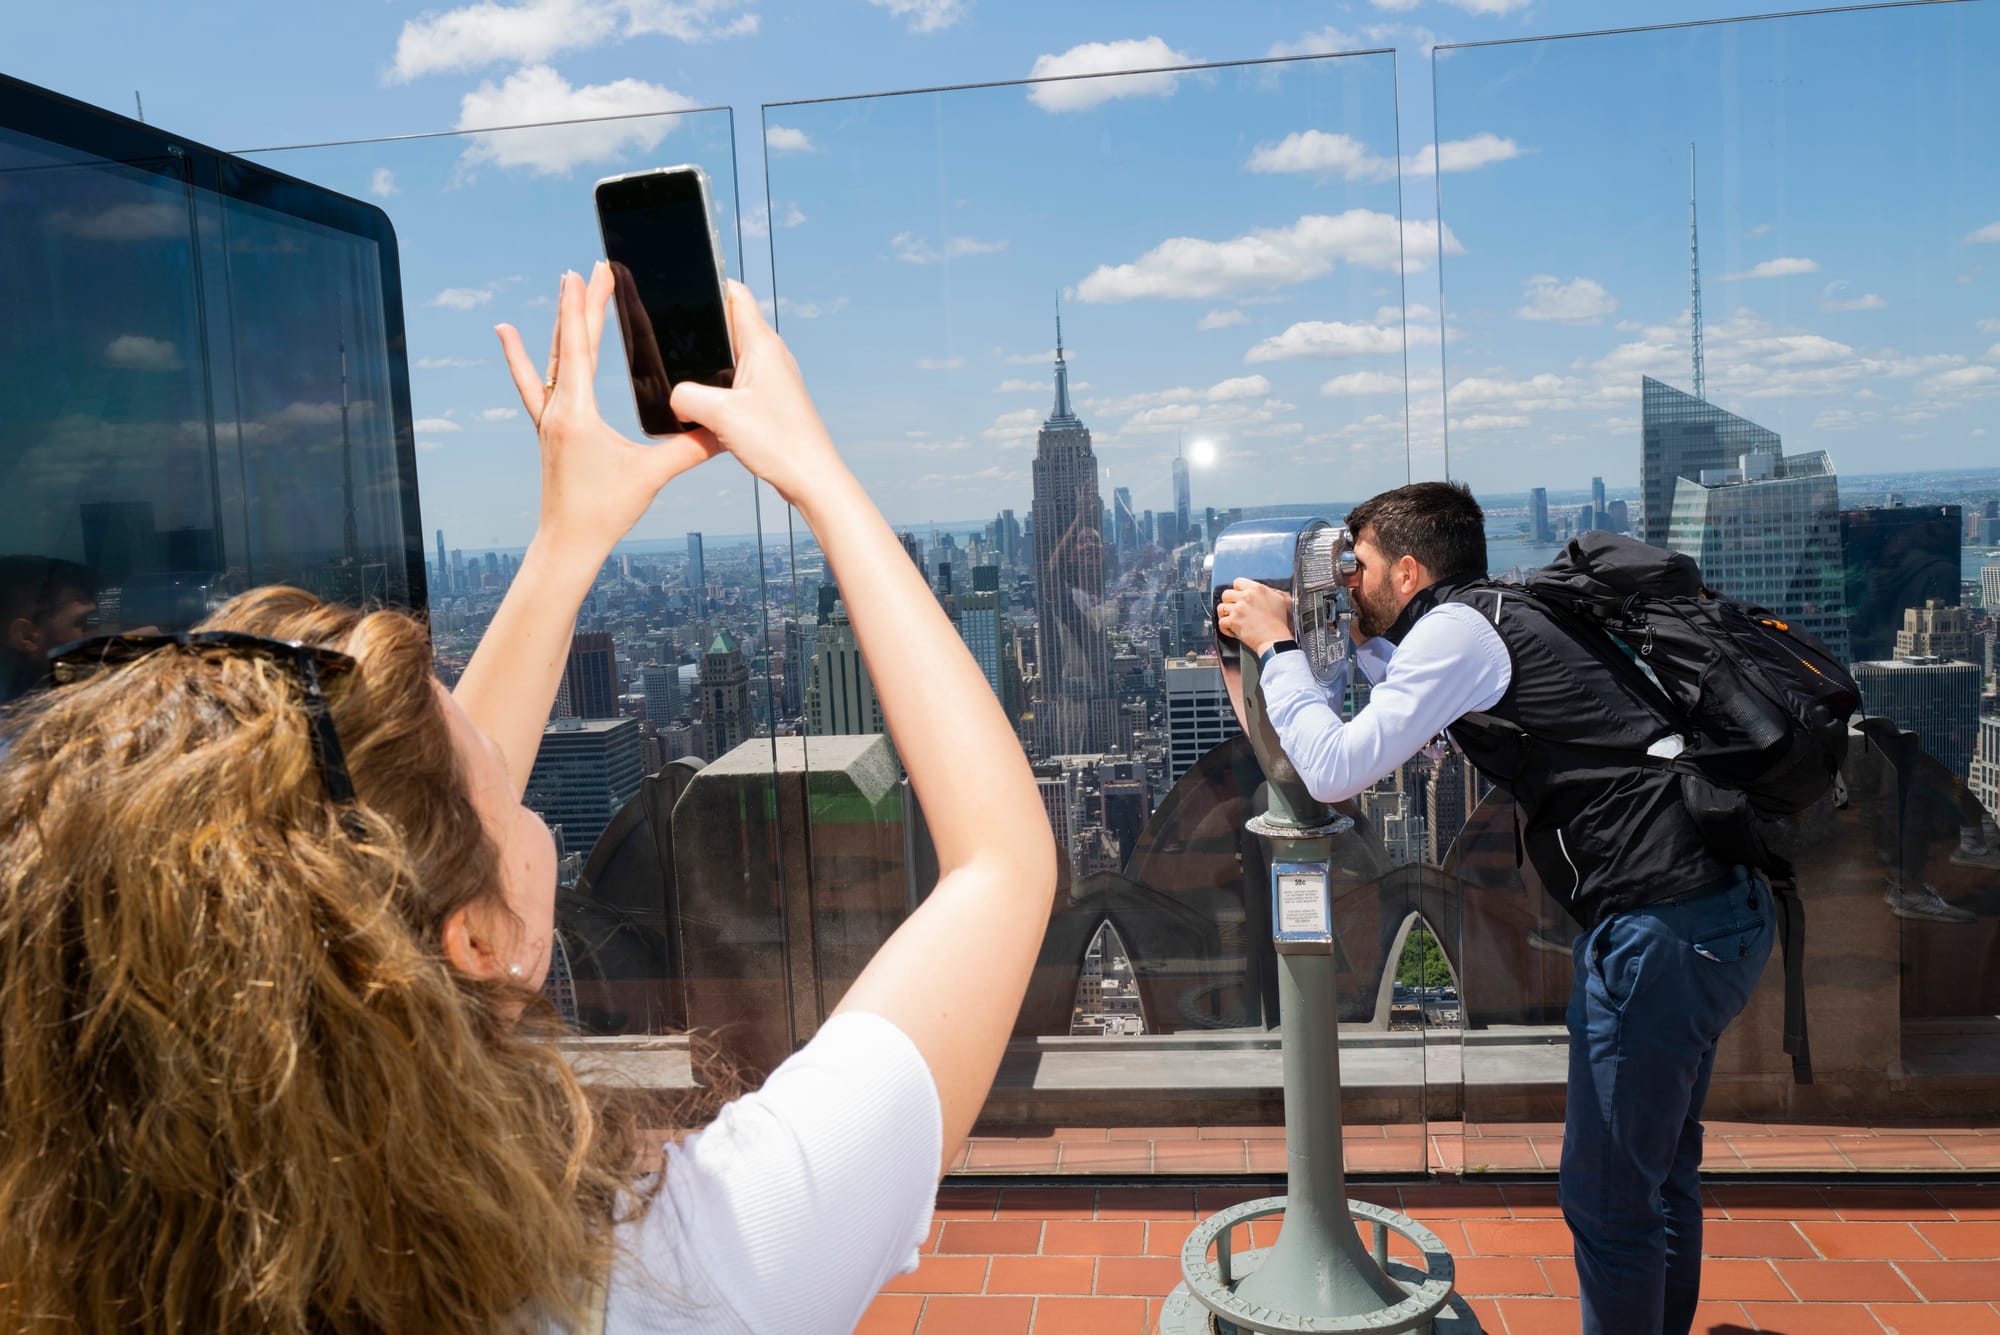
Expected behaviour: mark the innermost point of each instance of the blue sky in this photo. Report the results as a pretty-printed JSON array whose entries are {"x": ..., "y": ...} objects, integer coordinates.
[{"x": 1247, "y": 256}]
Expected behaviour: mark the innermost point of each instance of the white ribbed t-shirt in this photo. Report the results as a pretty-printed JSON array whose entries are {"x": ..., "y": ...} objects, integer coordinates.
[{"x": 787, "y": 1213}]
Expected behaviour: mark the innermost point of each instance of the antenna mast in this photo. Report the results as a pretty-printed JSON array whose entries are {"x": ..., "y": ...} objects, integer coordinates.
[{"x": 1694, "y": 279}]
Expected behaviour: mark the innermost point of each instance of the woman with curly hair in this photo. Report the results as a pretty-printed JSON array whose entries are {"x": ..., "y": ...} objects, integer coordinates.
[{"x": 271, "y": 910}]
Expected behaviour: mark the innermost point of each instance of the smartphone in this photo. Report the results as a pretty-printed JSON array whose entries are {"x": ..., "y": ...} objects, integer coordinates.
[{"x": 666, "y": 261}]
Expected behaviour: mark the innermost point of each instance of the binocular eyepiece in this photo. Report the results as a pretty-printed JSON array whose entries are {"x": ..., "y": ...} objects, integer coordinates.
[{"x": 1313, "y": 561}]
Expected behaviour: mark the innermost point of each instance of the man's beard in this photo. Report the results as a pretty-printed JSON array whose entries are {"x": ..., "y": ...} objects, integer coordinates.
[{"x": 1374, "y": 618}]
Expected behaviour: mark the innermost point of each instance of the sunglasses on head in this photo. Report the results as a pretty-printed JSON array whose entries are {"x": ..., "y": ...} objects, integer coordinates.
[{"x": 311, "y": 663}]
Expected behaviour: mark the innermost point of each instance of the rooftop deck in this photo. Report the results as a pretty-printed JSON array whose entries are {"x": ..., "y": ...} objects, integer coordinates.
[{"x": 1082, "y": 1259}]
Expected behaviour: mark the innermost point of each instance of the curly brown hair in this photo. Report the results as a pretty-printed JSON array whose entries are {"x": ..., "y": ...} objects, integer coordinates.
[{"x": 240, "y": 1086}]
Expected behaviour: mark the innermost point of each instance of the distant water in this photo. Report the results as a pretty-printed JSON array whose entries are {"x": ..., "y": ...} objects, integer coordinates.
[{"x": 1505, "y": 551}]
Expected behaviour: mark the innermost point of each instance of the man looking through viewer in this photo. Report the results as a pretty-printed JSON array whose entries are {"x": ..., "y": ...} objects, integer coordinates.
[{"x": 1670, "y": 942}]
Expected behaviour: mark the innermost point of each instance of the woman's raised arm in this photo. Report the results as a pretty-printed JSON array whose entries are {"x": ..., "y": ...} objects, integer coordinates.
[
  {"x": 991, "y": 905},
  {"x": 595, "y": 485}
]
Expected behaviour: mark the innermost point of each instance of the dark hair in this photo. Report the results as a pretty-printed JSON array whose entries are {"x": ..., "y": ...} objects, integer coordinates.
[
  {"x": 36, "y": 587},
  {"x": 1437, "y": 522}
]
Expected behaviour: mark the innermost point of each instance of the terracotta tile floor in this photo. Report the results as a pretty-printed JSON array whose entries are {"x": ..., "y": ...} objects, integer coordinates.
[
  {"x": 1801, "y": 1260},
  {"x": 1471, "y": 1148}
]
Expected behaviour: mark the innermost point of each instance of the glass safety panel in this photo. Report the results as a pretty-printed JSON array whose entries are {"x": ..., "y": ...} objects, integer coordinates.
[
  {"x": 657, "y": 767},
  {"x": 1732, "y": 291},
  {"x": 1067, "y": 333}
]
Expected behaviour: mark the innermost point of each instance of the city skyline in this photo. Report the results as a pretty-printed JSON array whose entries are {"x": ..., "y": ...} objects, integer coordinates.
[{"x": 1814, "y": 325}]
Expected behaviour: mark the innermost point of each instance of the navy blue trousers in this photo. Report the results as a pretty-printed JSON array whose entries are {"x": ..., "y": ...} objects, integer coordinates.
[{"x": 1655, "y": 988}]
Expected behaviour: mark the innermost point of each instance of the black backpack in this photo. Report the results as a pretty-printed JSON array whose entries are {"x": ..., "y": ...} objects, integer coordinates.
[{"x": 1760, "y": 705}]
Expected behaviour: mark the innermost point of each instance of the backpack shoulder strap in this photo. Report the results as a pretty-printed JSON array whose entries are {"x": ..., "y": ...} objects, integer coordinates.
[
  {"x": 1791, "y": 912},
  {"x": 1617, "y": 755}
]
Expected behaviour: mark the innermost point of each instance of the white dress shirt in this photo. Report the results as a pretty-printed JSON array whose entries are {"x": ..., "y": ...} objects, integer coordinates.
[{"x": 1451, "y": 663}]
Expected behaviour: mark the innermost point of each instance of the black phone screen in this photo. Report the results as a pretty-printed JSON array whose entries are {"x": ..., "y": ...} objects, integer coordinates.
[{"x": 656, "y": 237}]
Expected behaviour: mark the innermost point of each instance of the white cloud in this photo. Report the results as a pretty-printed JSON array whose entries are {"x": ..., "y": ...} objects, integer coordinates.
[
  {"x": 462, "y": 298},
  {"x": 912, "y": 249},
  {"x": 428, "y": 445},
  {"x": 1535, "y": 394},
  {"x": 1843, "y": 419},
  {"x": 1318, "y": 153},
  {"x": 535, "y": 30},
  {"x": 1325, "y": 40},
  {"x": 785, "y": 139},
  {"x": 1221, "y": 319},
  {"x": 1488, "y": 422},
  {"x": 757, "y": 222},
  {"x": 1397, "y": 6},
  {"x": 483, "y": 34},
  {"x": 1239, "y": 387},
  {"x": 1761, "y": 229},
  {"x": 1965, "y": 377},
  {"x": 1072, "y": 93},
  {"x": 497, "y": 414},
  {"x": 1579, "y": 301},
  {"x": 136, "y": 352},
  {"x": 812, "y": 310},
  {"x": 1778, "y": 268},
  {"x": 1831, "y": 299},
  {"x": 1990, "y": 232},
  {"x": 1186, "y": 266},
  {"x": 537, "y": 93},
  {"x": 1231, "y": 417},
  {"x": 435, "y": 425},
  {"x": 1328, "y": 338},
  {"x": 1989, "y": 326},
  {"x": 1993, "y": 353},
  {"x": 926, "y": 15},
  {"x": 125, "y": 222},
  {"x": 939, "y": 363},
  {"x": 1363, "y": 382},
  {"x": 1019, "y": 386},
  {"x": 439, "y": 363},
  {"x": 1795, "y": 350},
  {"x": 1495, "y": 7},
  {"x": 687, "y": 20},
  {"x": 1029, "y": 358},
  {"x": 382, "y": 184},
  {"x": 1142, "y": 401},
  {"x": 1462, "y": 155},
  {"x": 1016, "y": 427}
]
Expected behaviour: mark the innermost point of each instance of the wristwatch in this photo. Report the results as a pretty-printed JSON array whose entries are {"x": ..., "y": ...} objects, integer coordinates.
[{"x": 1264, "y": 659}]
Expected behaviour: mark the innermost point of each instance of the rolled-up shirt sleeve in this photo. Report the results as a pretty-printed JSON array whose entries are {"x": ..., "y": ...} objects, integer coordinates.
[{"x": 1451, "y": 663}]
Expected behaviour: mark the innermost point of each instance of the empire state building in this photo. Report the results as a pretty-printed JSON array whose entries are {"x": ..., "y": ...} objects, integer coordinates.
[{"x": 1075, "y": 710}]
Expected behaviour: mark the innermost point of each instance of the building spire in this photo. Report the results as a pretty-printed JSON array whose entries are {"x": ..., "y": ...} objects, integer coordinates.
[
  {"x": 1694, "y": 279},
  {"x": 1062, "y": 413}
]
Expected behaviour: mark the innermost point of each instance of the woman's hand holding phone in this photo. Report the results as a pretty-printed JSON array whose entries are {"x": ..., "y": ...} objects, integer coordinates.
[
  {"x": 595, "y": 482},
  {"x": 766, "y": 418}
]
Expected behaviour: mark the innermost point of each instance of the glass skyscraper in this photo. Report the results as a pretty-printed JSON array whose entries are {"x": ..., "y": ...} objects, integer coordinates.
[
  {"x": 1768, "y": 533},
  {"x": 1895, "y": 558},
  {"x": 1682, "y": 435}
]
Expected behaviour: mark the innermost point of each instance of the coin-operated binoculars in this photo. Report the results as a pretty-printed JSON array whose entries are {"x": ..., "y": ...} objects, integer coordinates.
[{"x": 1317, "y": 1277}]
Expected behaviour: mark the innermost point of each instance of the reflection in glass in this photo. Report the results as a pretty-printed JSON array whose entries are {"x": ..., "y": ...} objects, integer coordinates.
[
  {"x": 1824, "y": 302},
  {"x": 199, "y": 361},
  {"x": 670, "y": 672},
  {"x": 1208, "y": 314}
]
